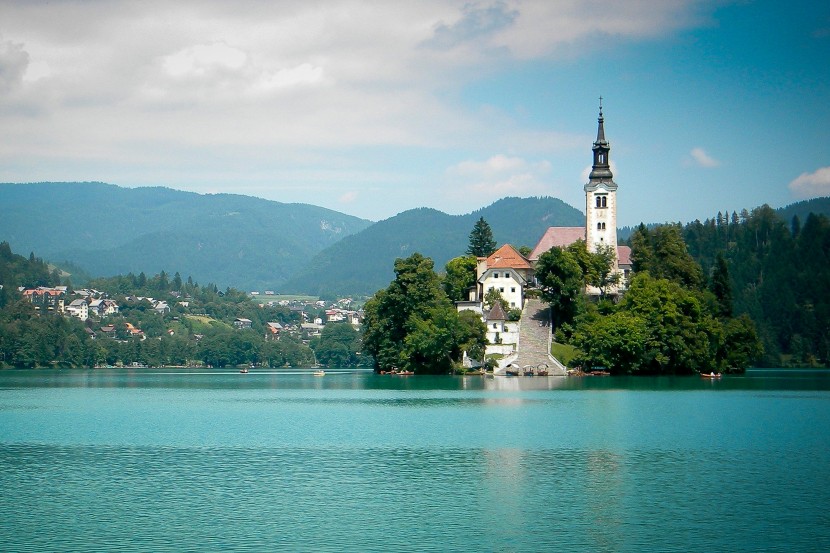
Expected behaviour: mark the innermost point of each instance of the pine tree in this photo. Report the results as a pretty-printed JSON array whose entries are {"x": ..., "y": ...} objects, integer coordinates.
[
  {"x": 482, "y": 243},
  {"x": 721, "y": 286}
]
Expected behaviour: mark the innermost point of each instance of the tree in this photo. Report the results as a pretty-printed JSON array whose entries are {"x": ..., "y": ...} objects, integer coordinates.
[
  {"x": 603, "y": 274},
  {"x": 721, "y": 286},
  {"x": 482, "y": 243},
  {"x": 560, "y": 279},
  {"x": 616, "y": 343},
  {"x": 338, "y": 345},
  {"x": 412, "y": 324},
  {"x": 662, "y": 253},
  {"x": 459, "y": 276},
  {"x": 492, "y": 297}
]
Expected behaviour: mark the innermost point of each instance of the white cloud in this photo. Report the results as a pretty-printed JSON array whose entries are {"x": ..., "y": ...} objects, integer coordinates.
[
  {"x": 202, "y": 60},
  {"x": 812, "y": 185},
  {"x": 182, "y": 93},
  {"x": 303, "y": 74},
  {"x": 348, "y": 197},
  {"x": 498, "y": 176},
  {"x": 700, "y": 158}
]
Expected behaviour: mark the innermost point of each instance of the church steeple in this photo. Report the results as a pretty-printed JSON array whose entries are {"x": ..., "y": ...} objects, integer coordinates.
[{"x": 601, "y": 170}]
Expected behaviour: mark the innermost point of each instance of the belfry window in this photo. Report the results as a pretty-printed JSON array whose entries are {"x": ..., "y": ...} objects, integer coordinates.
[{"x": 602, "y": 201}]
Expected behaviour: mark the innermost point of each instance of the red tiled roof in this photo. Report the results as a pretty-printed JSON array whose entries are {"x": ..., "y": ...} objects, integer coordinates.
[
  {"x": 557, "y": 236},
  {"x": 624, "y": 255},
  {"x": 507, "y": 257}
]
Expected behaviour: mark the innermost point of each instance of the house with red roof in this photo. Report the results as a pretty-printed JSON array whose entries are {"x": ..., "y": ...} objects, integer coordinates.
[{"x": 507, "y": 271}]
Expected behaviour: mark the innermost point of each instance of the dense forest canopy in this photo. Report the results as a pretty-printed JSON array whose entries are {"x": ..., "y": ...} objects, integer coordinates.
[{"x": 780, "y": 276}]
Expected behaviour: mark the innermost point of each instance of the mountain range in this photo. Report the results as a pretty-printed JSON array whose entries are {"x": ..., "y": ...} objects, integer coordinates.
[
  {"x": 255, "y": 244},
  {"x": 226, "y": 239}
]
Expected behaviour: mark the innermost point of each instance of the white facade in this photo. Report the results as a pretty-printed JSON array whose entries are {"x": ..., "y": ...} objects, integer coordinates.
[
  {"x": 502, "y": 337},
  {"x": 509, "y": 283},
  {"x": 78, "y": 308},
  {"x": 601, "y": 215}
]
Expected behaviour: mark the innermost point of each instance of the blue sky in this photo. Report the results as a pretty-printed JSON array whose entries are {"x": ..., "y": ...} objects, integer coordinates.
[{"x": 375, "y": 108}]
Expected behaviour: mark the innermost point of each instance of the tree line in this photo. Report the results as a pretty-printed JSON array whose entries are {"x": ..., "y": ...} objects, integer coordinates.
[{"x": 197, "y": 329}]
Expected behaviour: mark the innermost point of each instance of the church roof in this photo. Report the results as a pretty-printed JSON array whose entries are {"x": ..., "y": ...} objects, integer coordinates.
[
  {"x": 557, "y": 236},
  {"x": 624, "y": 255},
  {"x": 507, "y": 257}
]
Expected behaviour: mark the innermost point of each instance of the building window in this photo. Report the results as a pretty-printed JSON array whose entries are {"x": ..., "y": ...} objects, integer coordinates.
[
  {"x": 599, "y": 202},
  {"x": 513, "y": 290},
  {"x": 501, "y": 290},
  {"x": 600, "y": 226}
]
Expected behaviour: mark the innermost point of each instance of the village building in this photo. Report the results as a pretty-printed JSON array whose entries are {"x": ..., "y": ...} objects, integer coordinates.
[
  {"x": 46, "y": 299},
  {"x": 78, "y": 308},
  {"x": 272, "y": 331}
]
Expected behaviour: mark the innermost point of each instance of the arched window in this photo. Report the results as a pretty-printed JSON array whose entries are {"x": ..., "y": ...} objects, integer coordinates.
[
  {"x": 604, "y": 201},
  {"x": 599, "y": 226},
  {"x": 599, "y": 201}
]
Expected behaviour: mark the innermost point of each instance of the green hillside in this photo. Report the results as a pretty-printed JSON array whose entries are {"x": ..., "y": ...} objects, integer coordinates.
[
  {"x": 231, "y": 240},
  {"x": 362, "y": 263}
]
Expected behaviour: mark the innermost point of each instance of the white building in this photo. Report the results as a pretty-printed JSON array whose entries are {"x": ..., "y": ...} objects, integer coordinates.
[{"x": 78, "y": 308}]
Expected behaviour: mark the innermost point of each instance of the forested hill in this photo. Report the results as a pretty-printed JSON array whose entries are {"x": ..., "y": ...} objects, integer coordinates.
[
  {"x": 239, "y": 241},
  {"x": 780, "y": 275},
  {"x": 363, "y": 263}
]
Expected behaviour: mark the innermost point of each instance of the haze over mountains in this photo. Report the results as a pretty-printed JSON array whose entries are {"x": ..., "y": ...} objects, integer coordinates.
[{"x": 255, "y": 244}]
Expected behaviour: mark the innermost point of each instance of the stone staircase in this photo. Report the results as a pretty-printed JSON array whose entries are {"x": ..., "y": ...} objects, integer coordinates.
[{"x": 534, "y": 339}]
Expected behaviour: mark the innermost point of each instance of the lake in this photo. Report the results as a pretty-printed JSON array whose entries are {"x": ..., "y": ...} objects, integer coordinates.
[{"x": 185, "y": 460}]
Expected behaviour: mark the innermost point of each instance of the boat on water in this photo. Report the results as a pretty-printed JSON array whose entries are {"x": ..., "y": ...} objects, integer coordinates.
[
  {"x": 712, "y": 375},
  {"x": 319, "y": 373},
  {"x": 243, "y": 371}
]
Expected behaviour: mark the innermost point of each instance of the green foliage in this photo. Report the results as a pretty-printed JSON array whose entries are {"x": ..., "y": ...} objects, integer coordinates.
[
  {"x": 778, "y": 275},
  {"x": 492, "y": 297},
  {"x": 561, "y": 281},
  {"x": 459, "y": 277},
  {"x": 662, "y": 253},
  {"x": 721, "y": 286},
  {"x": 338, "y": 345},
  {"x": 481, "y": 243},
  {"x": 412, "y": 324},
  {"x": 32, "y": 339}
]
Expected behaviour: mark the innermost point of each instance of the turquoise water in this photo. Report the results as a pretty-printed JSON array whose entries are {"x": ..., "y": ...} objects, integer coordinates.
[{"x": 153, "y": 460}]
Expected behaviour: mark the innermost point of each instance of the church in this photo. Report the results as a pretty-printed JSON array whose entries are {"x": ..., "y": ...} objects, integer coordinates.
[{"x": 511, "y": 273}]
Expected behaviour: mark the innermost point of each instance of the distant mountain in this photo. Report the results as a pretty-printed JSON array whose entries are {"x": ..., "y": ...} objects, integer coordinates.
[
  {"x": 230, "y": 240},
  {"x": 363, "y": 263},
  {"x": 819, "y": 206}
]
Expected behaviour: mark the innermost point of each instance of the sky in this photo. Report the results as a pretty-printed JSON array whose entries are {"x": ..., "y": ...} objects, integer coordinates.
[{"x": 374, "y": 108}]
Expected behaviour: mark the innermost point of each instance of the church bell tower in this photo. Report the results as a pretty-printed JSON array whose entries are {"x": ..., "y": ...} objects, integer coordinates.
[{"x": 601, "y": 195}]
